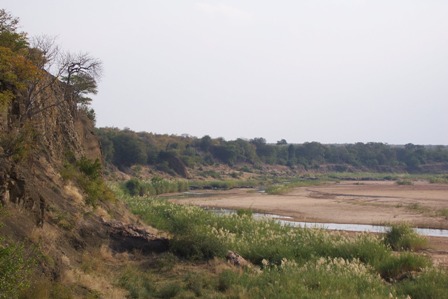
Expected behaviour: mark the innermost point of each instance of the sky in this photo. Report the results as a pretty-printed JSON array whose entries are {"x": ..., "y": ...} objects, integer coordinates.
[{"x": 331, "y": 71}]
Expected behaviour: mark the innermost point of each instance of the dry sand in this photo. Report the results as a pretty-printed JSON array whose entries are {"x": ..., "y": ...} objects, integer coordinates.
[{"x": 373, "y": 202}]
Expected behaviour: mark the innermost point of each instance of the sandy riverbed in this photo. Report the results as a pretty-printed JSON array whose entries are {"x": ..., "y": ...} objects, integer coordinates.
[{"x": 378, "y": 202}]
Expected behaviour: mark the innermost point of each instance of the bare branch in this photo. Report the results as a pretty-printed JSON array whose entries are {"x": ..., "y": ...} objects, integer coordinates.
[
  {"x": 49, "y": 50},
  {"x": 7, "y": 21}
]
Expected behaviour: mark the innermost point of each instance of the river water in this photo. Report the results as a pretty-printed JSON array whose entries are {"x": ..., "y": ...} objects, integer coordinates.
[{"x": 335, "y": 226}]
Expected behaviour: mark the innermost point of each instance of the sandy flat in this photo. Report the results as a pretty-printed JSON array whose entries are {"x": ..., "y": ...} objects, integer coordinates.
[
  {"x": 347, "y": 202},
  {"x": 377, "y": 202}
]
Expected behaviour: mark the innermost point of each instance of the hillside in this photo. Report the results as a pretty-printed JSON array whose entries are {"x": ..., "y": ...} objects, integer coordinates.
[
  {"x": 188, "y": 156},
  {"x": 56, "y": 212}
]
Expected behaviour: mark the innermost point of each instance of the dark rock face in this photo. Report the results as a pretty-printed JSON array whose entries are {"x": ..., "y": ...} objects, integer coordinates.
[{"x": 129, "y": 237}]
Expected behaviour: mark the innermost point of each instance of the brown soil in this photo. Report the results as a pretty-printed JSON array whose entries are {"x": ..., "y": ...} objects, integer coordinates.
[{"x": 376, "y": 202}]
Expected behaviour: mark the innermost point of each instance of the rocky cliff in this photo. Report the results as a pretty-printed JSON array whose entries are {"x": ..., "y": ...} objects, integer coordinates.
[{"x": 45, "y": 208}]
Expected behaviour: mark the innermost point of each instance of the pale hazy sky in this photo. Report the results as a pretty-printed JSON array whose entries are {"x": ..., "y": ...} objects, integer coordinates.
[{"x": 333, "y": 71}]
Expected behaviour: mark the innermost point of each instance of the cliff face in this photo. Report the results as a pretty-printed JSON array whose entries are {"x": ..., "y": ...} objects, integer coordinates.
[
  {"x": 48, "y": 210},
  {"x": 34, "y": 149},
  {"x": 39, "y": 206}
]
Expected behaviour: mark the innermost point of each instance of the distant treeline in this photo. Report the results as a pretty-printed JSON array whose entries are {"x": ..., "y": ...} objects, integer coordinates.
[{"x": 171, "y": 153}]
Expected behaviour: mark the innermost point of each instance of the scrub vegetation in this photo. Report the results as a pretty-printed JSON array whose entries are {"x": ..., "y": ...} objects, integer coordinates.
[
  {"x": 125, "y": 148},
  {"x": 284, "y": 261}
]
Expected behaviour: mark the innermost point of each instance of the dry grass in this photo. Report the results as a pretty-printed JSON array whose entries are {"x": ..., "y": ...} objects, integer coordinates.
[
  {"x": 100, "y": 283},
  {"x": 71, "y": 191}
]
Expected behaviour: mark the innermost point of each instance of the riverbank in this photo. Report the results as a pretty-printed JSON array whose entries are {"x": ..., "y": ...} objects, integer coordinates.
[{"x": 349, "y": 202}]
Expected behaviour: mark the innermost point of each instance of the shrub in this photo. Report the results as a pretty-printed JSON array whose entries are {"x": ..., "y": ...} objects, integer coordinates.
[
  {"x": 430, "y": 284},
  {"x": 134, "y": 187},
  {"x": 404, "y": 237},
  {"x": 245, "y": 212},
  {"x": 139, "y": 284},
  {"x": 395, "y": 267},
  {"x": 197, "y": 245},
  {"x": 226, "y": 280},
  {"x": 169, "y": 290},
  {"x": 15, "y": 269},
  {"x": 90, "y": 168},
  {"x": 443, "y": 213},
  {"x": 404, "y": 182},
  {"x": 156, "y": 186},
  {"x": 196, "y": 282},
  {"x": 441, "y": 179},
  {"x": 294, "y": 262},
  {"x": 87, "y": 175}
]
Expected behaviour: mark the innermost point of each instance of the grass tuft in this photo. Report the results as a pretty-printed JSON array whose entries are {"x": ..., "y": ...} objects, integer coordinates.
[{"x": 403, "y": 237}]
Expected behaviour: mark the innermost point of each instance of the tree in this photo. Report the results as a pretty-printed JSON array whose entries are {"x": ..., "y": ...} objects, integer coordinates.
[
  {"x": 15, "y": 74},
  {"x": 16, "y": 71},
  {"x": 7, "y": 21},
  {"x": 291, "y": 155},
  {"x": 128, "y": 149},
  {"x": 77, "y": 72},
  {"x": 9, "y": 37},
  {"x": 205, "y": 143},
  {"x": 282, "y": 142}
]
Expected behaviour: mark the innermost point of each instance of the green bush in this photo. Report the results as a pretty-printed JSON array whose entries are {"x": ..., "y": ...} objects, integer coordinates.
[
  {"x": 87, "y": 175},
  {"x": 404, "y": 237},
  {"x": 441, "y": 179},
  {"x": 404, "y": 182},
  {"x": 15, "y": 269},
  {"x": 443, "y": 213},
  {"x": 430, "y": 284},
  {"x": 169, "y": 290},
  {"x": 245, "y": 212},
  {"x": 155, "y": 186},
  {"x": 395, "y": 267},
  {"x": 197, "y": 245},
  {"x": 139, "y": 284},
  {"x": 289, "y": 261},
  {"x": 226, "y": 280},
  {"x": 134, "y": 187}
]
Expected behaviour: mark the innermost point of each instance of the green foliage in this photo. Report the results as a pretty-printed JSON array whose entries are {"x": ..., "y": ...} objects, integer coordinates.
[
  {"x": 196, "y": 243},
  {"x": 285, "y": 187},
  {"x": 155, "y": 186},
  {"x": 440, "y": 179},
  {"x": 291, "y": 262},
  {"x": 405, "y": 182},
  {"x": 395, "y": 267},
  {"x": 128, "y": 150},
  {"x": 169, "y": 290},
  {"x": 43, "y": 288},
  {"x": 404, "y": 237},
  {"x": 16, "y": 70},
  {"x": 19, "y": 144},
  {"x": 226, "y": 280},
  {"x": 222, "y": 184},
  {"x": 373, "y": 157},
  {"x": 135, "y": 187},
  {"x": 87, "y": 175},
  {"x": 430, "y": 284},
  {"x": 89, "y": 168},
  {"x": 443, "y": 213},
  {"x": 139, "y": 284},
  {"x": 244, "y": 212},
  {"x": 15, "y": 269}
]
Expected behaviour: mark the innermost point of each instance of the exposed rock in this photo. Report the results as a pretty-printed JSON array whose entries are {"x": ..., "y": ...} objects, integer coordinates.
[
  {"x": 236, "y": 259},
  {"x": 129, "y": 237}
]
